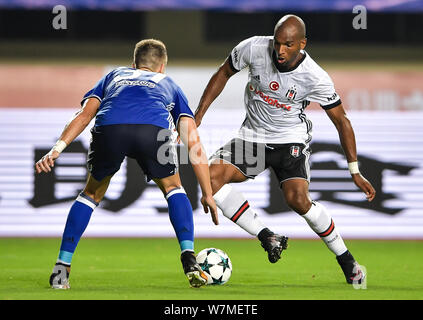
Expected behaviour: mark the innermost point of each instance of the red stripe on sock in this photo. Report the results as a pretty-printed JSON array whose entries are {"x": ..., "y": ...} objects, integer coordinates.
[
  {"x": 240, "y": 211},
  {"x": 328, "y": 231}
]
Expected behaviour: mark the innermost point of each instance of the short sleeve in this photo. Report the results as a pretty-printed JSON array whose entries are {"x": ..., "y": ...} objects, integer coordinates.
[
  {"x": 97, "y": 91},
  {"x": 240, "y": 56},
  {"x": 324, "y": 93},
  {"x": 180, "y": 107}
]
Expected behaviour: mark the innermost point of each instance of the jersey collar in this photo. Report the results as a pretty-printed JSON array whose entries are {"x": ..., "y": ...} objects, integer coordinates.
[{"x": 290, "y": 69}]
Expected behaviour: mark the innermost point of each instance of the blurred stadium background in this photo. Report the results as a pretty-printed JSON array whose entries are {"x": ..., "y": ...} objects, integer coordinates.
[{"x": 44, "y": 72}]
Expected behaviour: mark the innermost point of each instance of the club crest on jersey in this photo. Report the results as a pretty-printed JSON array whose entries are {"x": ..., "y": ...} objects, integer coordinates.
[
  {"x": 274, "y": 85},
  {"x": 295, "y": 151},
  {"x": 291, "y": 93}
]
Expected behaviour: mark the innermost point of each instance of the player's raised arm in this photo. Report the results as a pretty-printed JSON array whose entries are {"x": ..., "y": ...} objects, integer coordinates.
[
  {"x": 214, "y": 87},
  {"x": 348, "y": 143},
  {"x": 189, "y": 136},
  {"x": 72, "y": 130}
]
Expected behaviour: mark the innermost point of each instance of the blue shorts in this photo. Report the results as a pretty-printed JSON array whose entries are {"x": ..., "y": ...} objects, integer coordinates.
[{"x": 149, "y": 145}]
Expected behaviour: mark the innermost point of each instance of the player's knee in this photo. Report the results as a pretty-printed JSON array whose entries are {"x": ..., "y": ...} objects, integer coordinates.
[
  {"x": 219, "y": 176},
  {"x": 298, "y": 201}
]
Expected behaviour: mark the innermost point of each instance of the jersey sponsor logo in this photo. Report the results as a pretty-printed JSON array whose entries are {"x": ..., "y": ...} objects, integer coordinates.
[
  {"x": 141, "y": 83},
  {"x": 291, "y": 93},
  {"x": 274, "y": 85},
  {"x": 269, "y": 100}
]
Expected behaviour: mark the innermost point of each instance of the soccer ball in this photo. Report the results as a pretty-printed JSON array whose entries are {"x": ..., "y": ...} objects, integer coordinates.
[{"x": 216, "y": 265}]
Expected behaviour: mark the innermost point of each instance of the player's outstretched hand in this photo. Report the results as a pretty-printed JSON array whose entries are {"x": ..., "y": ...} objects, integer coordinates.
[
  {"x": 209, "y": 204},
  {"x": 47, "y": 162},
  {"x": 365, "y": 186}
]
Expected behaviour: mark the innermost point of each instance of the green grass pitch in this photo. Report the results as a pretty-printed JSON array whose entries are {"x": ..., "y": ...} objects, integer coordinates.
[{"x": 149, "y": 269}]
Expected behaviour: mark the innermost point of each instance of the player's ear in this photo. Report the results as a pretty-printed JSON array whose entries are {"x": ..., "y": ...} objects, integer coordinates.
[
  {"x": 162, "y": 68},
  {"x": 303, "y": 43}
]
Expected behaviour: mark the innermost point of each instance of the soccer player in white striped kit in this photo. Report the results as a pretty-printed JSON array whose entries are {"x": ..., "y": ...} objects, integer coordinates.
[{"x": 283, "y": 80}]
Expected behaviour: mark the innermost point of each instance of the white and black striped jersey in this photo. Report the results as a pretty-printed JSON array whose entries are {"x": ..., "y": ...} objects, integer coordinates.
[{"x": 275, "y": 100}]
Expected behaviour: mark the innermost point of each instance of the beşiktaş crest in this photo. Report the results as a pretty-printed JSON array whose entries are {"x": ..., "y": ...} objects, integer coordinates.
[
  {"x": 295, "y": 151},
  {"x": 291, "y": 93}
]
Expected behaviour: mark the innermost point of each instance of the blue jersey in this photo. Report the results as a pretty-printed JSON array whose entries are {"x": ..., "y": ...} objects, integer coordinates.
[{"x": 133, "y": 96}]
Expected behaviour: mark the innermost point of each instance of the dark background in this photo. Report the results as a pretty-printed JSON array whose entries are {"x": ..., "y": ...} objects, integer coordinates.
[
  {"x": 216, "y": 26},
  {"x": 202, "y": 34}
]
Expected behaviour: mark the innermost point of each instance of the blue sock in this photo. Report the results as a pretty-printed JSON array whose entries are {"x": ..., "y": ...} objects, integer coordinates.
[
  {"x": 76, "y": 223},
  {"x": 180, "y": 214}
]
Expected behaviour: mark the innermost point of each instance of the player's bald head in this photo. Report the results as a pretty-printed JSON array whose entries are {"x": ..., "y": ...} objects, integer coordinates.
[
  {"x": 292, "y": 24},
  {"x": 288, "y": 41}
]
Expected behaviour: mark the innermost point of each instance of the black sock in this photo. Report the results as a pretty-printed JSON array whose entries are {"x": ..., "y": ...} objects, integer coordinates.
[
  {"x": 264, "y": 234},
  {"x": 345, "y": 257}
]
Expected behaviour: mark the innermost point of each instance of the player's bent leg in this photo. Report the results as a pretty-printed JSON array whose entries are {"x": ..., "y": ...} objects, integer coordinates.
[
  {"x": 298, "y": 199},
  {"x": 233, "y": 204},
  {"x": 222, "y": 173},
  {"x": 97, "y": 189},
  {"x": 318, "y": 218},
  {"x": 76, "y": 223},
  {"x": 180, "y": 210},
  {"x": 168, "y": 183},
  {"x": 236, "y": 208},
  {"x": 296, "y": 195},
  {"x": 180, "y": 215}
]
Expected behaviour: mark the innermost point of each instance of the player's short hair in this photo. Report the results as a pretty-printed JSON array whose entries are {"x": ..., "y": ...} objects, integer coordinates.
[{"x": 150, "y": 53}]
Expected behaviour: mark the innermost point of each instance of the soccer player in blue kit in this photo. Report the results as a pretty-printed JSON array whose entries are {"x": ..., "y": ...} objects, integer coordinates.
[{"x": 136, "y": 110}]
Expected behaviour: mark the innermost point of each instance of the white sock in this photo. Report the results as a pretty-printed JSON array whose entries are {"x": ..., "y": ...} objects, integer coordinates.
[
  {"x": 321, "y": 222},
  {"x": 236, "y": 208}
]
